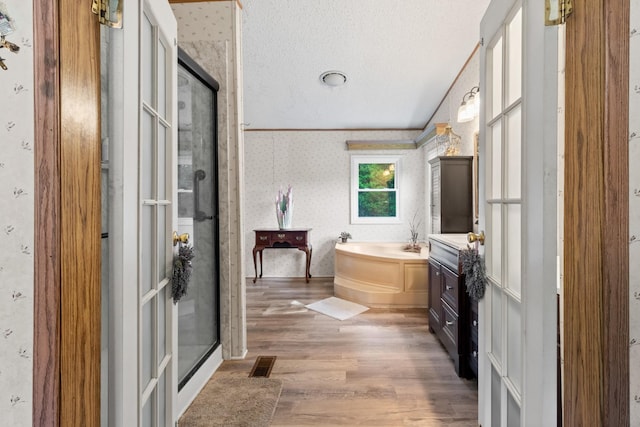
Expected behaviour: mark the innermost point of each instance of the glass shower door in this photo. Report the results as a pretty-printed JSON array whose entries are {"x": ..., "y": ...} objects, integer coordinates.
[{"x": 198, "y": 310}]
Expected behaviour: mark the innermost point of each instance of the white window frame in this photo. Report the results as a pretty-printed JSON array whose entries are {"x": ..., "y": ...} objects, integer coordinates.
[{"x": 356, "y": 161}]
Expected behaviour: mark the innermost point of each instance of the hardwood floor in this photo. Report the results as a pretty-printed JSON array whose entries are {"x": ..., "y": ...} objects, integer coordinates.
[{"x": 380, "y": 368}]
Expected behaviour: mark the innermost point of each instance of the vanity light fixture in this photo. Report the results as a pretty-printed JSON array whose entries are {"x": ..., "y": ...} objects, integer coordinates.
[
  {"x": 333, "y": 78},
  {"x": 470, "y": 106}
]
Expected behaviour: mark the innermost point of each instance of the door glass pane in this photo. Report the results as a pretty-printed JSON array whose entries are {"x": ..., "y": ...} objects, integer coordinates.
[
  {"x": 514, "y": 58},
  {"x": 514, "y": 153},
  {"x": 513, "y": 252},
  {"x": 146, "y": 413},
  {"x": 147, "y": 343},
  {"x": 147, "y": 61},
  {"x": 146, "y": 249},
  {"x": 162, "y": 79},
  {"x": 163, "y": 243},
  {"x": 496, "y": 78},
  {"x": 514, "y": 337},
  {"x": 495, "y": 264},
  {"x": 496, "y": 398},
  {"x": 162, "y": 400},
  {"x": 162, "y": 323},
  {"x": 147, "y": 161},
  {"x": 513, "y": 411},
  {"x": 496, "y": 161},
  {"x": 496, "y": 323},
  {"x": 162, "y": 162}
]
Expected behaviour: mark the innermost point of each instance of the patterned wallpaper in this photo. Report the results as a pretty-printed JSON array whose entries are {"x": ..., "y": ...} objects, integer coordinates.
[
  {"x": 317, "y": 165},
  {"x": 634, "y": 213},
  {"x": 16, "y": 221},
  {"x": 204, "y": 21}
]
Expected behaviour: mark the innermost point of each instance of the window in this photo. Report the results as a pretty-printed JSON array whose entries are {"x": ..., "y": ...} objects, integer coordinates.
[{"x": 374, "y": 189}]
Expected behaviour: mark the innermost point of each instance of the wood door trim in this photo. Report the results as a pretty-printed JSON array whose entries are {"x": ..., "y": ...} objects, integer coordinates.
[
  {"x": 80, "y": 254},
  {"x": 47, "y": 279},
  {"x": 615, "y": 293},
  {"x": 596, "y": 252},
  {"x": 66, "y": 360}
]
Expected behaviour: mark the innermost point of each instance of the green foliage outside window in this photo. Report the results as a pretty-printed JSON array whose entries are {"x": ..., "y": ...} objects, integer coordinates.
[
  {"x": 377, "y": 204},
  {"x": 376, "y": 176},
  {"x": 376, "y": 195}
]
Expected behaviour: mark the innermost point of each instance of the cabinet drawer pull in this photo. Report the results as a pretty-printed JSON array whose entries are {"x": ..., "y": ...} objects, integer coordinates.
[
  {"x": 448, "y": 322},
  {"x": 437, "y": 273},
  {"x": 475, "y": 354},
  {"x": 263, "y": 238},
  {"x": 449, "y": 287},
  {"x": 281, "y": 236},
  {"x": 475, "y": 323},
  {"x": 298, "y": 238}
]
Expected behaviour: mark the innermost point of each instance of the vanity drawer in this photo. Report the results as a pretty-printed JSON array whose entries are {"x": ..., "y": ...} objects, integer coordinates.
[
  {"x": 449, "y": 328},
  {"x": 450, "y": 288}
]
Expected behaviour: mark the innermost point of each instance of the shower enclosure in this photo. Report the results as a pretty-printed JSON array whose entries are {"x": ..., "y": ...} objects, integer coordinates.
[{"x": 199, "y": 309}]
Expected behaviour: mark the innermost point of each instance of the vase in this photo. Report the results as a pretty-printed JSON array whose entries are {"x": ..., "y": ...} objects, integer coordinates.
[
  {"x": 285, "y": 218},
  {"x": 344, "y": 239}
]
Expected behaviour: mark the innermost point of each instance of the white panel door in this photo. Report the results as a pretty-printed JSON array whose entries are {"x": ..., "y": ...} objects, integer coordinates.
[
  {"x": 142, "y": 113},
  {"x": 517, "y": 375},
  {"x": 157, "y": 213}
]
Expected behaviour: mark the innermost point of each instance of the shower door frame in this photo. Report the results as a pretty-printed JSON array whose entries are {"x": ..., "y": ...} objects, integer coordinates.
[{"x": 212, "y": 358}]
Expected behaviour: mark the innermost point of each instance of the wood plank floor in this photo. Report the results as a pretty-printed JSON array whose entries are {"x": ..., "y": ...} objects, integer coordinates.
[{"x": 380, "y": 368}]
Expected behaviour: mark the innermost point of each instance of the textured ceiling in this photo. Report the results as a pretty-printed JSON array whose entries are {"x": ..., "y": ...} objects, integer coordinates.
[{"x": 400, "y": 57}]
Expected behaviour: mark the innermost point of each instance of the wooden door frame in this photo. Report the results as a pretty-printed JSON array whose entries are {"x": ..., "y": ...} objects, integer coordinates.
[
  {"x": 596, "y": 221},
  {"x": 66, "y": 358}
]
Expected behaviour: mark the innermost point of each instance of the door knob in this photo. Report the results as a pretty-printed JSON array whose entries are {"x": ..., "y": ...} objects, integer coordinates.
[
  {"x": 473, "y": 237},
  {"x": 180, "y": 238}
]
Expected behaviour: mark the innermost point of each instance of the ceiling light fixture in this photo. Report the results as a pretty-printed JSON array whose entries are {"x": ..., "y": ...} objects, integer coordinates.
[
  {"x": 333, "y": 78},
  {"x": 470, "y": 106}
]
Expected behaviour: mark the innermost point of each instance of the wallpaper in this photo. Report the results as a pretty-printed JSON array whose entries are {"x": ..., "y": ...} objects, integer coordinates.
[
  {"x": 317, "y": 165},
  {"x": 16, "y": 221},
  {"x": 634, "y": 213}
]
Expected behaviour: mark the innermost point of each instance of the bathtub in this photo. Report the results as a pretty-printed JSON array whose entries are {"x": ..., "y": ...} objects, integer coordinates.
[{"x": 381, "y": 274}]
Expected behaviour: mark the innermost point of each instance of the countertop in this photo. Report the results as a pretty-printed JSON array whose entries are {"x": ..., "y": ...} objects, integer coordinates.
[{"x": 457, "y": 241}]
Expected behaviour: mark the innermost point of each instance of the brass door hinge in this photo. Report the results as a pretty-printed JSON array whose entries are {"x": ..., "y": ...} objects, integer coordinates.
[
  {"x": 556, "y": 12},
  {"x": 106, "y": 14}
]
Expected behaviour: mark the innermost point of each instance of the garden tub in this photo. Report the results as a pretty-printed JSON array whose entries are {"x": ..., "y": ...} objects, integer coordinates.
[{"x": 381, "y": 274}]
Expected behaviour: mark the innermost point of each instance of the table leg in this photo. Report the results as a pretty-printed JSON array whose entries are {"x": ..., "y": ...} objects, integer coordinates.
[
  {"x": 261, "y": 263},
  {"x": 255, "y": 268},
  {"x": 309, "y": 252}
]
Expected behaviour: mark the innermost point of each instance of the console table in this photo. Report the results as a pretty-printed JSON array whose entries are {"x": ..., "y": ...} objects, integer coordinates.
[{"x": 297, "y": 238}]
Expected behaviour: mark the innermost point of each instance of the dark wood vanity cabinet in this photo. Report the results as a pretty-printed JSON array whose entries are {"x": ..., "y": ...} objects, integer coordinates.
[
  {"x": 472, "y": 356},
  {"x": 451, "y": 194},
  {"x": 435, "y": 292},
  {"x": 451, "y": 313}
]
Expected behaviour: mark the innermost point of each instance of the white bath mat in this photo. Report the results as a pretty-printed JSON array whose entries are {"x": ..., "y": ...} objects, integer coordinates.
[{"x": 337, "y": 308}]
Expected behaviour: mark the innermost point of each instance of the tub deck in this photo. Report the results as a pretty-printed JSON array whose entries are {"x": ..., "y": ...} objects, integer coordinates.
[{"x": 381, "y": 274}]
